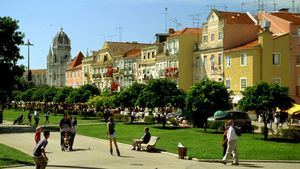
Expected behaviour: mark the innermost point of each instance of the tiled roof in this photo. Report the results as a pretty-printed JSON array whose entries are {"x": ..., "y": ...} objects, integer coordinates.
[
  {"x": 135, "y": 52},
  {"x": 120, "y": 48},
  {"x": 37, "y": 71},
  {"x": 243, "y": 47},
  {"x": 76, "y": 61},
  {"x": 235, "y": 17},
  {"x": 187, "y": 31},
  {"x": 292, "y": 17}
]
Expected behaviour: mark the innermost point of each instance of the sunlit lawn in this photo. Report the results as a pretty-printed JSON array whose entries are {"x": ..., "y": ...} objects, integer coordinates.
[
  {"x": 10, "y": 156},
  {"x": 200, "y": 145}
]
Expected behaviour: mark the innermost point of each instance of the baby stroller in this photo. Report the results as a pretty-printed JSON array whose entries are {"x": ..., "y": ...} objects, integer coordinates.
[{"x": 66, "y": 139}]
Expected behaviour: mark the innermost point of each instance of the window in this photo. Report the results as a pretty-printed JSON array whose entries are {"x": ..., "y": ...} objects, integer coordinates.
[
  {"x": 276, "y": 59},
  {"x": 243, "y": 82},
  {"x": 277, "y": 80},
  {"x": 220, "y": 35},
  {"x": 228, "y": 61},
  {"x": 243, "y": 59},
  {"x": 105, "y": 58},
  {"x": 148, "y": 54},
  {"x": 197, "y": 61},
  {"x": 205, "y": 61},
  {"x": 220, "y": 59},
  {"x": 153, "y": 54},
  {"x": 212, "y": 37},
  {"x": 298, "y": 59},
  {"x": 228, "y": 83},
  {"x": 212, "y": 64},
  {"x": 205, "y": 39}
]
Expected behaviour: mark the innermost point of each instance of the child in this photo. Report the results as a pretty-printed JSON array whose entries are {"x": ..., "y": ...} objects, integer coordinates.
[
  {"x": 37, "y": 135},
  {"x": 66, "y": 141}
]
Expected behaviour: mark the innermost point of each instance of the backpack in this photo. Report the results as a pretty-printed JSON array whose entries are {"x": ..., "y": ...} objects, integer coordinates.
[{"x": 238, "y": 130}]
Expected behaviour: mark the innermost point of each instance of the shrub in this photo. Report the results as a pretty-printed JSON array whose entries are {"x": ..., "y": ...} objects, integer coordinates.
[
  {"x": 173, "y": 121},
  {"x": 217, "y": 125},
  {"x": 120, "y": 117},
  {"x": 149, "y": 119},
  {"x": 291, "y": 133}
]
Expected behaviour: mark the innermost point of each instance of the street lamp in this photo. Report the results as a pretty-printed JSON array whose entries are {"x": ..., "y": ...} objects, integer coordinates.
[{"x": 28, "y": 44}]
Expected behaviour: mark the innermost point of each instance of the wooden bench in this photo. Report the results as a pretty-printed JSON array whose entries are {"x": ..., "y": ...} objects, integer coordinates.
[{"x": 151, "y": 144}]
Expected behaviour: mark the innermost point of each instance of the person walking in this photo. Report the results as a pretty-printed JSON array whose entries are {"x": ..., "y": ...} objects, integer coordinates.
[
  {"x": 36, "y": 118},
  {"x": 225, "y": 140},
  {"x": 231, "y": 144},
  {"x": 73, "y": 131},
  {"x": 39, "y": 153},
  {"x": 64, "y": 125},
  {"x": 47, "y": 115},
  {"x": 111, "y": 134}
]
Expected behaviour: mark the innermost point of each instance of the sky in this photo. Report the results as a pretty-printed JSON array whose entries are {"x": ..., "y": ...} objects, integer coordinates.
[{"x": 88, "y": 23}]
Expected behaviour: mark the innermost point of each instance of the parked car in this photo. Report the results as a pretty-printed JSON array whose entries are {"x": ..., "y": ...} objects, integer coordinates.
[{"x": 241, "y": 119}]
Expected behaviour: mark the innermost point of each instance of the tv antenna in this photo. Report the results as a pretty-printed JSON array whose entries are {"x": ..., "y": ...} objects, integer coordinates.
[
  {"x": 120, "y": 28},
  {"x": 274, "y": 5},
  {"x": 175, "y": 21},
  {"x": 196, "y": 20},
  {"x": 293, "y": 6}
]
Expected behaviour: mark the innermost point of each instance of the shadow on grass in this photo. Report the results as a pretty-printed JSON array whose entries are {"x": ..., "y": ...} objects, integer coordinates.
[
  {"x": 137, "y": 123},
  {"x": 15, "y": 162},
  {"x": 25, "y": 129},
  {"x": 69, "y": 166},
  {"x": 170, "y": 127}
]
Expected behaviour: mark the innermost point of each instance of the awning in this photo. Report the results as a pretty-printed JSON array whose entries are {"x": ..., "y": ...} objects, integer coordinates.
[{"x": 294, "y": 110}]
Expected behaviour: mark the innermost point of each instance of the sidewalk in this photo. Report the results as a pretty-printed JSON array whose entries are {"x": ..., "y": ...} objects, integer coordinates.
[{"x": 92, "y": 153}]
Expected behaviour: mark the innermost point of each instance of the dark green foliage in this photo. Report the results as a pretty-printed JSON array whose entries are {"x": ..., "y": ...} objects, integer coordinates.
[
  {"x": 204, "y": 98},
  {"x": 9, "y": 55},
  {"x": 62, "y": 94},
  {"x": 263, "y": 98}
]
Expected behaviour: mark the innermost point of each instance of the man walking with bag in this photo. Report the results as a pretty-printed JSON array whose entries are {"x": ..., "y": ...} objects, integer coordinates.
[{"x": 231, "y": 144}]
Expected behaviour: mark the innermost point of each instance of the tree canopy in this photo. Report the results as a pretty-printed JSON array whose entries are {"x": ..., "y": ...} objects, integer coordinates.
[
  {"x": 9, "y": 55},
  {"x": 264, "y": 98},
  {"x": 204, "y": 98}
]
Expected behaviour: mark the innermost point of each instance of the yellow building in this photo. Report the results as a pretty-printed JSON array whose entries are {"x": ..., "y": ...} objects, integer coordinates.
[
  {"x": 221, "y": 31},
  {"x": 179, "y": 56},
  {"x": 267, "y": 59}
]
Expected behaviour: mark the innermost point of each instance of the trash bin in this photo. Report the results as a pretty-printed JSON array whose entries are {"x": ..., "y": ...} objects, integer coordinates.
[{"x": 182, "y": 152}]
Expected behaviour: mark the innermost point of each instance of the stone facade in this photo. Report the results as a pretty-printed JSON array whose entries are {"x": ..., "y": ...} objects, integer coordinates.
[{"x": 58, "y": 60}]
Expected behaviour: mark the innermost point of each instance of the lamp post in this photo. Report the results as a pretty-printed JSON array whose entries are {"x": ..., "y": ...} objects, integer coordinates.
[{"x": 28, "y": 44}]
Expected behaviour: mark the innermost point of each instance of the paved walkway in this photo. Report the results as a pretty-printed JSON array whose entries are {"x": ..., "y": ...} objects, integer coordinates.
[{"x": 92, "y": 153}]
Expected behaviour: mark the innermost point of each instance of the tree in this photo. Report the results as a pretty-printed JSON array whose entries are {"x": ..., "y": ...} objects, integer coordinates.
[
  {"x": 263, "y": 98},
  {"x": 62, "y": 94},
  {"x": 9, "y": 55},
  {"x": 38, "y": 94},
  {"x": 92, "y": 88},
  {"x": 161, "y": 93},
  {"x": 204, "y": 98},
  {"x": 128, "y": 97}
]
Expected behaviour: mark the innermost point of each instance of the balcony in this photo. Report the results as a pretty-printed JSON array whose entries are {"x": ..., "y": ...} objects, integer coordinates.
[{"x": 205, "y": 46}]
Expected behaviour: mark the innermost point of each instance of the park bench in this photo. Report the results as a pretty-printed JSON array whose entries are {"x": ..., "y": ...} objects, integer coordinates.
[{"x": 150, "y": 146}]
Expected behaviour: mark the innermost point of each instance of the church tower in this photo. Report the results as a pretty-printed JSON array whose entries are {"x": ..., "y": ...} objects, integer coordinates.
[{"x": 58, "y": 60}]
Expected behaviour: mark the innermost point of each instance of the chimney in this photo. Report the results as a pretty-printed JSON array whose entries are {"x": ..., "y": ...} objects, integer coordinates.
[{"x": 171, "y": 31}]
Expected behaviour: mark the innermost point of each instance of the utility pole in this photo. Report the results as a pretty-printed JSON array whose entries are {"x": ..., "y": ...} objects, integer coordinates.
[
  {"x": 28, "y": 44},
  {"x": 120, "y": 28}
]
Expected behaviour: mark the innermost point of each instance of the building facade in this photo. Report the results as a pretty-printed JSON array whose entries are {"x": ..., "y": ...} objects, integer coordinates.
[
  {"x": 58, "y": 60},
  {"x": 266, "y": 59},
  {"x": 221, "y": 31},
  {"x": 74, "y": 72},
  {"x": 38, "y": 76}
]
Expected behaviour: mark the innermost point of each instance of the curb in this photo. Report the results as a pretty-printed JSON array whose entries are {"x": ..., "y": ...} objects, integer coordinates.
[{"x": 219, "y": 160}]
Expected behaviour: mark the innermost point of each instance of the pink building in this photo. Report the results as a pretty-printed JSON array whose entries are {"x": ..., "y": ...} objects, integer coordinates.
[
  {"x": 74, "y": 72},
  {"x": 284, "y": 22}
]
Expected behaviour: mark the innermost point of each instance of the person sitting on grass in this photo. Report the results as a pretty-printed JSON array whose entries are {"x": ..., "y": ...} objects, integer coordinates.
[{"x": 144, "y": 139}]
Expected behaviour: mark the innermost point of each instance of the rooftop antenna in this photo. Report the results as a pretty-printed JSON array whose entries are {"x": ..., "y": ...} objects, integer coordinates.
[
  {"x": 258, "y": 1},
  {"x": 166, "y": 21},
  {"x": 87, "y": 52},
  {"x": 175, "y": 21},
  {"x": 262, "y": 5},
  {"x": 298, "y": 9},
  {"x": 120, "y": 28},
  {"x": 110, "y": 37},
  {"x": 196, "y": 20},
  {"x": 225, "y": 7},
  {"x": 274, "y": 5},
  {"x": 243, "y": 5},
  {"x": 293, "y": 6}
]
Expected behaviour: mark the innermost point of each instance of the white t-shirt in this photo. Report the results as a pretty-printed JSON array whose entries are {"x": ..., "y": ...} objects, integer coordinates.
[{"x": 231, "y": 135}]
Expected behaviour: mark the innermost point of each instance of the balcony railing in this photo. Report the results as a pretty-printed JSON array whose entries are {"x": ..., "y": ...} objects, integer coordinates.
[{"x": 204, "y": 46}]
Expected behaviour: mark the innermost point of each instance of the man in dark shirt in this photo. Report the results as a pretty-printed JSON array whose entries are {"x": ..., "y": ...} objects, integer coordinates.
[
  {"x": 39, "y": 154},
  {"x": 144, "y": 139},
  {"x": 65, "y": 126}
]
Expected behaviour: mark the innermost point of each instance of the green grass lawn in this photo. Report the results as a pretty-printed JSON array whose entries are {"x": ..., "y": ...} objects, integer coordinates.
[
  {"x": 200, "y": 145},
  {"x": 10, "y": 156},
  {"x": 11, "y": 115}
]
